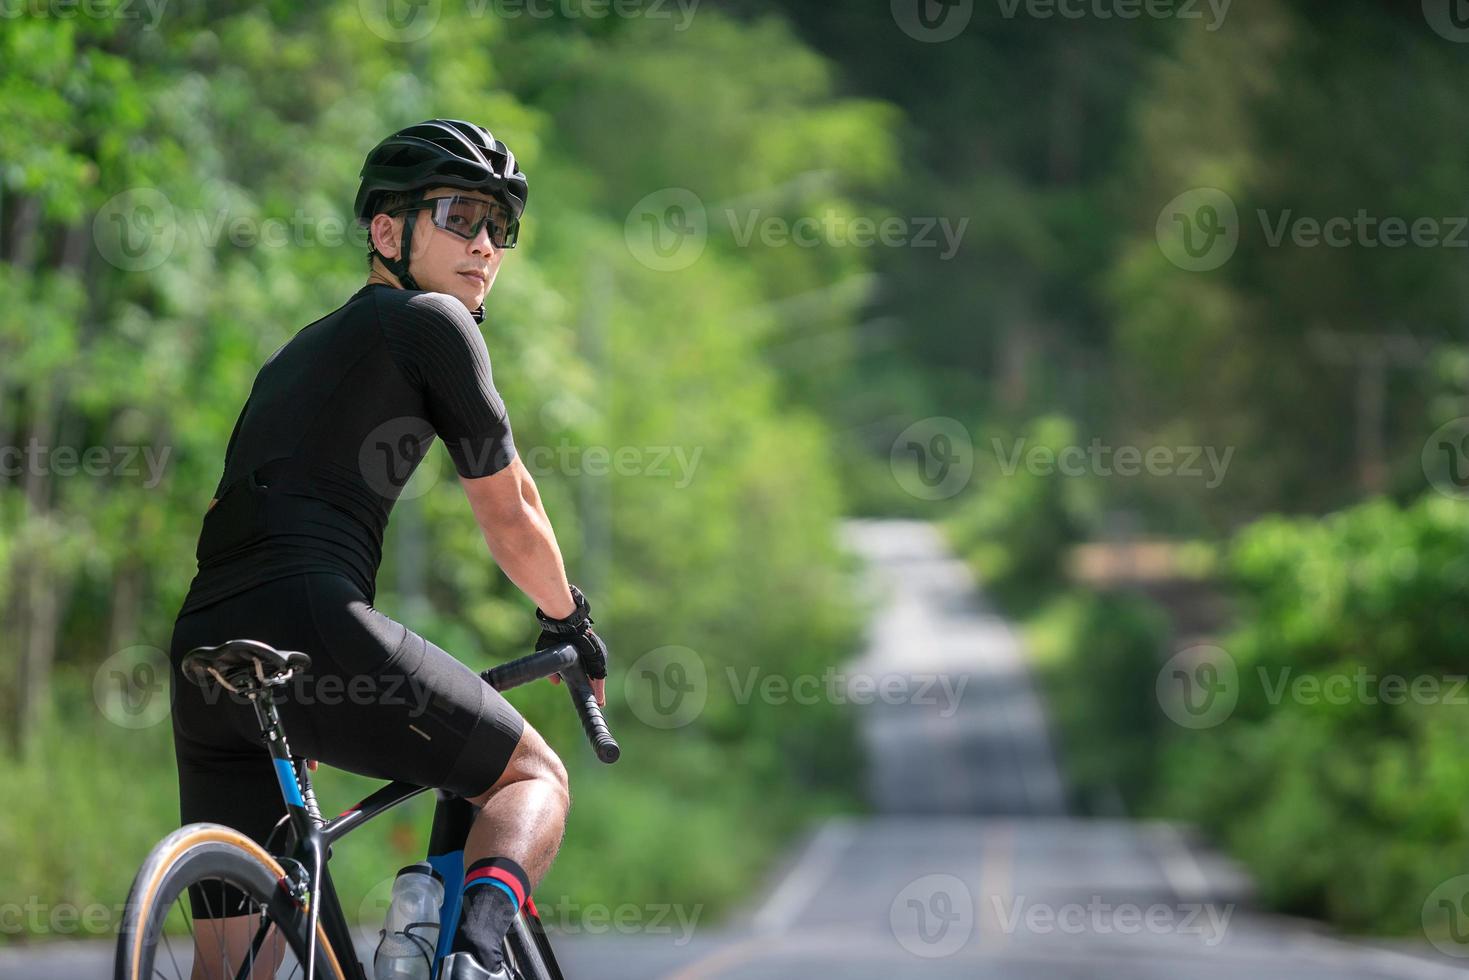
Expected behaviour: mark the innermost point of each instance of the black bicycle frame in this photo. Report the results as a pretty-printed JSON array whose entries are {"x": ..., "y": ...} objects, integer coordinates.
[
  {"x": 308, "y": 838},
  {"x": 310, "y": 845}
]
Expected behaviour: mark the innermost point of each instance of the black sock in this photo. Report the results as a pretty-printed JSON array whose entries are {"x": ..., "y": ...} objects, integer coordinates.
[{"x": 494, "y": 890}]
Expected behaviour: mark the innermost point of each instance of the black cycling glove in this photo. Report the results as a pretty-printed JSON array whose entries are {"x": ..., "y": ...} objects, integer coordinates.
[{"x": 576, "y": 629}]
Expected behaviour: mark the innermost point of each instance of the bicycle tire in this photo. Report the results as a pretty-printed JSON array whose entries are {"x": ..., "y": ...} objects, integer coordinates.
[{"x": 192, "y": 855}]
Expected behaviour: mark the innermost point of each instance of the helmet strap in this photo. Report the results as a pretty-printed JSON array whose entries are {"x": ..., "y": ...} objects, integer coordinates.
[{"x": 399, "y": 266}]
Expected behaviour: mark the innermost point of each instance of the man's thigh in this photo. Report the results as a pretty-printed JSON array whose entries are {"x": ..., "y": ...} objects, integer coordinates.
[{"x": 385, "y": 702}]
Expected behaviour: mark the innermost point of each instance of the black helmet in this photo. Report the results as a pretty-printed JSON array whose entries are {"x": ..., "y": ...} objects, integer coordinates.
[{"x": 440, "y": 153}]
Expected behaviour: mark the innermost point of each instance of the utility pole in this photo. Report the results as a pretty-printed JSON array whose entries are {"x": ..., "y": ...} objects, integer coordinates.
[
  {"x": 595, "y": 493},
  {"x": 1372, "y": 355}
]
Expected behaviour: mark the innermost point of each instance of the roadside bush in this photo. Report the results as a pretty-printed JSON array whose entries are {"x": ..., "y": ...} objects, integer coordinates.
[
  {"x": 1097, "y": 657},
  {"x": 1339, "y": 778},
  {"x": 1021, "y": 519}
]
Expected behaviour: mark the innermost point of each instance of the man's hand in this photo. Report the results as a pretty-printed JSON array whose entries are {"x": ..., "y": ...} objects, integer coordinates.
[
  {"x": 576, "y": 629},
  {"x": 593, "y": 651}
]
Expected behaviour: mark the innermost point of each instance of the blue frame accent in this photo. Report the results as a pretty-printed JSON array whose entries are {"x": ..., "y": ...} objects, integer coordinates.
[
  {"x": 286, "y": 774},
  {"x": 450, "y": 868}
]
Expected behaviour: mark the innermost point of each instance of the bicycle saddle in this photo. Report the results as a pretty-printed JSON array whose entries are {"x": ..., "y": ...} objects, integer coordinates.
[{"x": 242, "y": 663}]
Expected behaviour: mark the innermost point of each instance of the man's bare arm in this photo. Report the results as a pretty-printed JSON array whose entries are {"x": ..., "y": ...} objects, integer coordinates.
[{"x": 508, "y": 508}]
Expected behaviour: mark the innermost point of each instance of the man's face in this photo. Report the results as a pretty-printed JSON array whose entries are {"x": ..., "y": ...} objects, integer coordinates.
[{"x": 442, "y": 262}]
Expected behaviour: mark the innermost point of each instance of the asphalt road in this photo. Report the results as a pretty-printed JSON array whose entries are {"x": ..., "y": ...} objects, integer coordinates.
[{"x": 971, "y": 867}]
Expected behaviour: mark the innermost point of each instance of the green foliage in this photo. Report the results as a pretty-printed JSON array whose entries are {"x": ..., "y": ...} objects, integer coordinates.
[
  {"x": 1339, "y": 777},
  {"x": 1016, "y": 127},
  {"x": 1066, "y": 144},
  {"x": 252, "y": 130},
  {"x": 1065, "y": 141},
  {"x": 1097, "y": 656},
  {"x": 1294, "y": 116},
  {"x": 1024, "y": 513},
  {"x": 84, "y": 807}
]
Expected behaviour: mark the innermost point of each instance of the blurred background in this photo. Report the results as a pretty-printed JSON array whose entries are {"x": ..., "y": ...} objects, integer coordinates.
[{"x": 1018, "y": 450}]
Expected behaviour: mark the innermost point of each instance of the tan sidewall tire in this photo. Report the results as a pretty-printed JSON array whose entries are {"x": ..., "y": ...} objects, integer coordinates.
[{"x": 170, "y": 852}]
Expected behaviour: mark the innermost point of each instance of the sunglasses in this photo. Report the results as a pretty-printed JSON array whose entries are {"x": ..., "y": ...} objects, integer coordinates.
[{"x": 465, "y": 216}]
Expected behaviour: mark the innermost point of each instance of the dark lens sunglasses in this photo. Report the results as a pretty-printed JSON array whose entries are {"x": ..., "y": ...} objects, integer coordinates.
[{"x": 465, "y": 216}]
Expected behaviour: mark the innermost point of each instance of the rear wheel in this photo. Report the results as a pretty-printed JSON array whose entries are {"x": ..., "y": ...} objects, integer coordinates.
[{"x": 247, "y": 916}]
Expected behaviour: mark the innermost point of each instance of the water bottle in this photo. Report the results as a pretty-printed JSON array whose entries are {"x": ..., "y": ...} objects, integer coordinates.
[{"x": 405, "y": 950}]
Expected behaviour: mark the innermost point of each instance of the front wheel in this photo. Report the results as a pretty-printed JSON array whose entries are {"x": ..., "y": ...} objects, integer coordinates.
[{"x": 245, "y": 914}]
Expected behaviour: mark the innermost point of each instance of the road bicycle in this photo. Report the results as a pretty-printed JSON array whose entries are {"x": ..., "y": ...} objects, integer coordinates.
[{"x": 286, "y": 884}]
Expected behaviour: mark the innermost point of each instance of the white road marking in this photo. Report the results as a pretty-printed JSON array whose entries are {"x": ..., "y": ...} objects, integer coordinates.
[
  {"x": 1184, "y": 876},
  {"x": 805, "y": 879}
]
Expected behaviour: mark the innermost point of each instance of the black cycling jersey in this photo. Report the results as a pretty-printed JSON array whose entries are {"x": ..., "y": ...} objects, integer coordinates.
[{"x": 336, "y": 422}]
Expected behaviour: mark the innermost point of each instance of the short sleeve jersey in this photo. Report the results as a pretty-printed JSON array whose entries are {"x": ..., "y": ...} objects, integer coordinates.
[{"x": 337, "y": 421}]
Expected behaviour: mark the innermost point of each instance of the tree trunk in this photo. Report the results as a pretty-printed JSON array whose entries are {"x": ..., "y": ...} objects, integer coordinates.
[
  {"x": 24, "y": 234},
  {"x": 42, "y": 618},
  {"x": 127, "y": 606},
  {"x": 35, "y": 578}
]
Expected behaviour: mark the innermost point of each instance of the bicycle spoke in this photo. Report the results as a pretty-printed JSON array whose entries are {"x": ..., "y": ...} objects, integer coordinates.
[
  {"x": 250, "y": 953},
  {"x": 183, "y": 904},
  {"x": 218, "y": 930},
  {"x": 168, "y": 945}
]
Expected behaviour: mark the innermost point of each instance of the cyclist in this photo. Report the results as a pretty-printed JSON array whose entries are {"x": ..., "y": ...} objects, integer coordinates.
[{"x": 335, "y": 422}]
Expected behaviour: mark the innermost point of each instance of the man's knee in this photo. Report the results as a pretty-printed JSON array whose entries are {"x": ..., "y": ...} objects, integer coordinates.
[{"x": 532, "y": 759}]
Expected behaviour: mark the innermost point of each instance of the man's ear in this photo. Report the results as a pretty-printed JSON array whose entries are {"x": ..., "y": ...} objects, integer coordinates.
[{"x": 386, "y": 235}]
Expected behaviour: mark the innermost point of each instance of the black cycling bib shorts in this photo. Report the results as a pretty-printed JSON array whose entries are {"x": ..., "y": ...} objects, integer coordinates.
[{"x": 336, "y": 422}]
